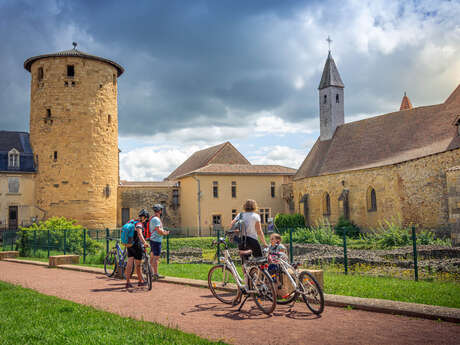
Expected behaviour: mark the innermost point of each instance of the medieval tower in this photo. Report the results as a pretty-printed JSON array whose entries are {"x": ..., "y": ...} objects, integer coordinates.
[
  {"x": 74, "y": 136},
  {"x": 331, "y": 100}
]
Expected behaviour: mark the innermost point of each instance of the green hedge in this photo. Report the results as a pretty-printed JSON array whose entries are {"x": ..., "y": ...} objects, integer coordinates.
[{"x": 283, "y": 222}]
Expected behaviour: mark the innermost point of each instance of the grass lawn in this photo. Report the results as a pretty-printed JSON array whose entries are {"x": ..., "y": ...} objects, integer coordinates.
[{"x": 29, "y": 317}]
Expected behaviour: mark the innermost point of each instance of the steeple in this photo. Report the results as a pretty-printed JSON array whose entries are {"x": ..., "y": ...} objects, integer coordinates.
[
  {"x": 405, "y": 103},
  {"x": 331, "y": 76},
  {"x": 331, "y": 99}
]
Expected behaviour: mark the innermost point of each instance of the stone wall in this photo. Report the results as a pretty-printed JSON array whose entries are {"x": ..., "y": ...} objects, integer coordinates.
[
  {"x": 74, "y": 136},
  {"x": 453, "y": 189},
  {"x": 136, "y": 198},
  {"x": 413, "y": 191}
]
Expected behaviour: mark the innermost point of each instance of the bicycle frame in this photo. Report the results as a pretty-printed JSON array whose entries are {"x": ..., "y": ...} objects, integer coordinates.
[{"x": 228, "y": 262}]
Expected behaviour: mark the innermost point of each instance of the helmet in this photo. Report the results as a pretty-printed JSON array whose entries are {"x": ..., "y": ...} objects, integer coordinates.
[
  {"x": 144, "y": 213},
  {"x": 157, "y": 207}
]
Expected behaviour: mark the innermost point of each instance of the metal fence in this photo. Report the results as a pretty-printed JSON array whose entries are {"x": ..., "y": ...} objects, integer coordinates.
[{"x": 182, "y": 247}]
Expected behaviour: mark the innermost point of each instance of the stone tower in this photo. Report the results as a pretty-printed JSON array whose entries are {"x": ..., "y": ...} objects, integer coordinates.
[
  {"x": 74, "y": 136},
  {"x": 331, "y": 100}
]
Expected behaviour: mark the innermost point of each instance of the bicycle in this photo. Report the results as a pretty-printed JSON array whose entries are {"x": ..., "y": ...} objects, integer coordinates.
[
  {"x": 115, "y": 258},
  {"x": 228, "y": 286},
  {"x": 303, "y": 284},
  {"x": 146, "y": 269}
]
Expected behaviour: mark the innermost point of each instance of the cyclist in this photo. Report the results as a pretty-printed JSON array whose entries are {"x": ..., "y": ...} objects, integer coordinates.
[
  {"x": 156, "y": 237},
  {"x": 252, "y": 230},
  {"x": 135, "y": 251}
]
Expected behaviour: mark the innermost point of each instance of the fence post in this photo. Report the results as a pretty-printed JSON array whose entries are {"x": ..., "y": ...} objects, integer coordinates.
[
  {"x": 97, "y": 235},
  {"x": 414, "y": 244},
  {"x": 12, "y": 240},
  {"x": 84, "y": 245},
  {"x": 48, "y": 244},
  {"x": 218, "y": 246},
  {"x": 35, "y": 241},
  {"x": 345, "y": 258},
  {"x": 107, "y": 235},
  {"x": 65, "y": 236},
  {"x": 167, "y": 249},
  {"x": 291, "y": 249}
]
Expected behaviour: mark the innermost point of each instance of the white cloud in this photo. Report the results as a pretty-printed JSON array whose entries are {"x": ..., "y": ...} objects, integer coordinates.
[{"x": 278, "y": 155}]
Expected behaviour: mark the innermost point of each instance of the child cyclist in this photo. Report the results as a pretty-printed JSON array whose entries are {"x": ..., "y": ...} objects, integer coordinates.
[{"x": 276, "y": 249}]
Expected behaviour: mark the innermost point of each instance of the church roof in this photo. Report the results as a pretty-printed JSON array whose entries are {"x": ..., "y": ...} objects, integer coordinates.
[
  {"x": 331, "y": 76},
  {"x": 386, "y": 139},
  {"x": 242, "y": 169},
  {"x": 405, "y": 103},
  {"x": 223, "y": 153},
  {"x": 72, "y": 53}
]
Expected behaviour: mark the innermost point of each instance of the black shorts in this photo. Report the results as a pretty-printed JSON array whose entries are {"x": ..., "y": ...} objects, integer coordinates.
[
  {"x": 136, "y": 251},
  {"x": 252, "y": 244}
]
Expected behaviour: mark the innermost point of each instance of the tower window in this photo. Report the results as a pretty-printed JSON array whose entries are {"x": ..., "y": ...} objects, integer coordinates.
[
  {"x": 48, "y": 113},
  {"x": 109, "y": 118},
  {"x": 114, "y": 80},
  {"x": 325, "y": 99},
  {"x": 233, "y": 189},
  {"x": 70, "y": 71},
  {"x": 40, "y": 74},
  {"x": 66, "y": 83},
  {"x": 55, "y": 156},
  {"x": 215, "y": 189},
  {"x": 272, "y": 189},
  {"x": 337, "y": 98},
  {"x": 73, "y": 83}
]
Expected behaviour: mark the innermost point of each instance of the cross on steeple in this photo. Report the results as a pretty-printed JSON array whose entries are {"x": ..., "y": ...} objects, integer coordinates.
[
  {"x": 74, "y": 45},
  {"x": 328, "y": 39}
]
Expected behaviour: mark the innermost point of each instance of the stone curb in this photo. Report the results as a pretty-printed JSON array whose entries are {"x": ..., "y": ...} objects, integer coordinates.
[{"x": 369, "y": 304}]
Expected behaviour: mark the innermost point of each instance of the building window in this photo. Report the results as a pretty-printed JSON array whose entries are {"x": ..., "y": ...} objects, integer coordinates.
[
  {"x": 70, "y": 71},
  {"x": 215, "y": 189},
  {"x": 325, "y": 99},
  {"x": 233, "y": 189},
  {"x": 40, "y": 74},
  {"x": 109, "y": 118},
  {"x": 272, "y": 189},
  {"x": 55, "y": 156},
  {"x": 13, "y": 185},
  {"x": 326, "y": 205},
  {"x": 216, "y": 219},
  {"x": 234, "y": 213},
  {"x": 371, "y": 200},
  {"x": 175, "y": 198},
  {"x": 264, "y": 215},
  {"x": 13, "y": 159},
  {"x": 337, "y": 98}
]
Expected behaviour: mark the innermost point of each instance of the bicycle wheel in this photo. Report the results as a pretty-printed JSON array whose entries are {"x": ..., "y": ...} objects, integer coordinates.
[
  {"x": 265, "y": 295},
  {"x": 285, "y": 292},
  {"x": 223, "y": 284},
  {"x": 110, "y": 263},
  {"x": 147, "y": 273},
  {"x": 312, "y": 294}
]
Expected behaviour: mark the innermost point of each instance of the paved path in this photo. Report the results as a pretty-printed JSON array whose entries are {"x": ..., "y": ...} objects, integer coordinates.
[{"x": 195, "y": 310}]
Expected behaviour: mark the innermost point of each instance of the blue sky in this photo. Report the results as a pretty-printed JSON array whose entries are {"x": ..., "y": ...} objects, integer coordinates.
[{"x": 199, "y": 73}]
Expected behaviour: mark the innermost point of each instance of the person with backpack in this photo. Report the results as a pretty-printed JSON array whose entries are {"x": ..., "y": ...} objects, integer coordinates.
[
  {"x": 156, "y": 237},
  {"x": 133, "y": 239},
  {"x": 251, "y": 229}
]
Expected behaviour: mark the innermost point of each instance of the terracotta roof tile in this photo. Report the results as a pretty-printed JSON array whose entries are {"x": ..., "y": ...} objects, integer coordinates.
[
  {"x": 203, "y": 157},
  {"x": 386, "y": 139},
  {"x": 242, "y": 169}
]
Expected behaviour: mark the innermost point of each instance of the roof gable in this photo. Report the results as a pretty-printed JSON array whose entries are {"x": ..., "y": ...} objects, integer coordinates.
[
  {"x": 223, "y": 153},
  {"x": 386, "y": 139}
]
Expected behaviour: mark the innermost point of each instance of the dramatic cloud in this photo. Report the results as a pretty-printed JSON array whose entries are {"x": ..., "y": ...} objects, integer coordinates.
[{"x": 203, "y": 72}]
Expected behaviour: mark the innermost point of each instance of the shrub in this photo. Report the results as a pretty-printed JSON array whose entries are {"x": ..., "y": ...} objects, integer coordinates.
[
  {"x": 56, "y": 227},
  {"x": 352, "y": 230},
  {"x": 285, "y": 221},
  {"x": 322, "y": 233}
]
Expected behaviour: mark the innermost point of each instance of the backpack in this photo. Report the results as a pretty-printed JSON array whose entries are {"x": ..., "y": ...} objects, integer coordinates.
[
  {"x": 127, "y": 233},
  {"x": 241, "y": 226},
  {"x": 147, "y": 232}
]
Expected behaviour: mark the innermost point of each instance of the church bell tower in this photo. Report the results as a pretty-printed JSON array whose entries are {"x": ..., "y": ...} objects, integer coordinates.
[{"x": 331, "y": 99}]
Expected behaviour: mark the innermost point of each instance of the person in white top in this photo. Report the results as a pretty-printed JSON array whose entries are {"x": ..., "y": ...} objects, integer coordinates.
[{"x": 252, "y": 230}]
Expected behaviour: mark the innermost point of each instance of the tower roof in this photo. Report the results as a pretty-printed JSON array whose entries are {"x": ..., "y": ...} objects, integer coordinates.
[
  {"x": 72, "y": 53},
  {"x": 405, "y": 103},
  {"x": 331, "y": 76}
]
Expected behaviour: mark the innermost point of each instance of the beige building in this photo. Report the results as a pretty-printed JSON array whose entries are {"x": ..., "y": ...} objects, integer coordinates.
[{"x": 399, "y": 165}]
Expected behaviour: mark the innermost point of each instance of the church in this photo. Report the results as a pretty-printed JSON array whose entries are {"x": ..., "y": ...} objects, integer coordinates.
[{"x": 401, "y": 166}]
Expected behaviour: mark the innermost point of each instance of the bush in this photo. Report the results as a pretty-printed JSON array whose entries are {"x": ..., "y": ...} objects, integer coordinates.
[
  {"x": 56, "y": 227},
  {"x": 322, "y": 233},
  {"x": 285, "y": 221},
  {"x": 352, "y": 230}
]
